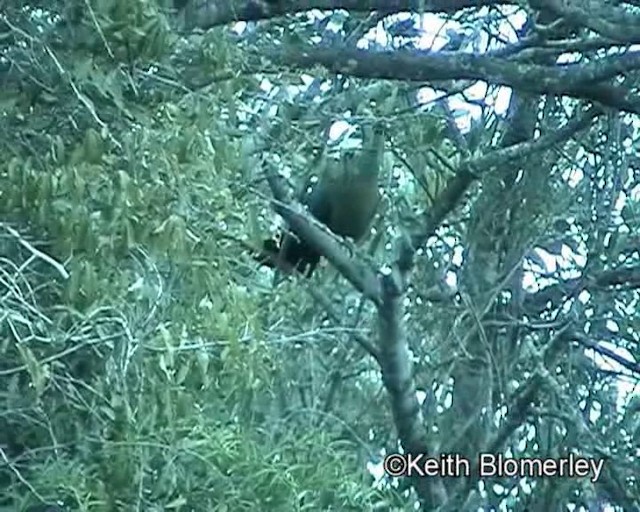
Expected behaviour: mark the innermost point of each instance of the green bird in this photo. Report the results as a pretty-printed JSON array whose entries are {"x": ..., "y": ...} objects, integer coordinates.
[{"x": 344, "y": 199}]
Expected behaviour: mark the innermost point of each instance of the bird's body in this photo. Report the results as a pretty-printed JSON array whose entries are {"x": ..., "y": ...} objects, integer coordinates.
[{"x": 345, "y": 199}]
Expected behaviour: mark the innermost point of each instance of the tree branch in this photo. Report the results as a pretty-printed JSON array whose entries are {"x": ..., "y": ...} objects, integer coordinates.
[
  {"x": 397, "y": 374},
  {"x": 574, "y": 80},
  {"x": 209, "y": 13},
  {"x": 468, "y": 171},
  {"x": 605, "y": 19}
]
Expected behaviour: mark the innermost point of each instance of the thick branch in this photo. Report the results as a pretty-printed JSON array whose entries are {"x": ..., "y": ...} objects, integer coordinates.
[
  {"x": 627, "y": 275},
  {"x": 574, "y": 80},
  {"x": 209, "y": 13},
  {"x": 397, "y": 374}
]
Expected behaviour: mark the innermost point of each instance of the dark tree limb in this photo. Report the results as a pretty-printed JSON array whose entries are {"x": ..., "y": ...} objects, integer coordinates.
[
  {"x": 585, "y": 341},
  {"x": 209, "y": 13},
  {"x": 581, "y": 81},
  {"x": 610, "y": 21},
  {"x": 627, "y": 276}
]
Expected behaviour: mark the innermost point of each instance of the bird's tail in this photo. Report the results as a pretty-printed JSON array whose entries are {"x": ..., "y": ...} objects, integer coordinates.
[{"x": 268, "y": 255}]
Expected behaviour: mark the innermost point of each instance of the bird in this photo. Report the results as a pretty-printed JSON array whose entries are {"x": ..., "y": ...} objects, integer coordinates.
[{"x": 344, "y": 199}]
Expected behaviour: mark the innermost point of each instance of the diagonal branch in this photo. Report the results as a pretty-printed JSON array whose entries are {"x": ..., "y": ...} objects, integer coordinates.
[
  {"x": 468, "y": 171},
  {"x": 585, "y": 341}
]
